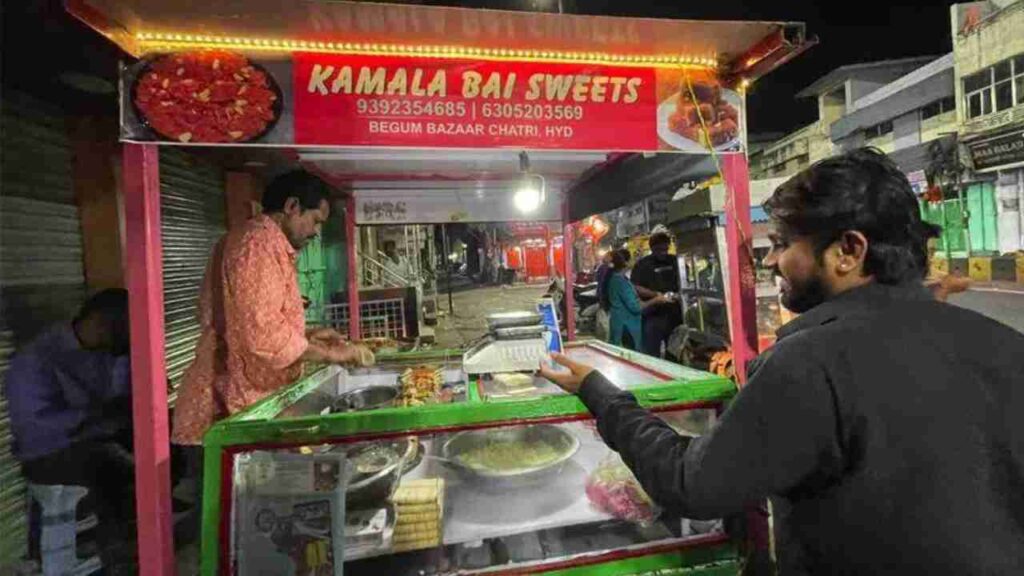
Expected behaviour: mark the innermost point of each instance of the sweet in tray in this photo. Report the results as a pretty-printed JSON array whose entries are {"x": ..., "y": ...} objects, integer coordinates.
[{"x": 422, "y": 385}]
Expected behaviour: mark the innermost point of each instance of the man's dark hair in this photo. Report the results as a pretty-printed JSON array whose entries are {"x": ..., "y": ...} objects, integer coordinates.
[
  {"x": 861, "y": 190},
  {"x": 111, "y": 307},
  {"x": 659, "y": 239},
  {"x": 621, "y": 258},
  {"x": 307, "y": 188},
  {"x": 111, "y": 304}
]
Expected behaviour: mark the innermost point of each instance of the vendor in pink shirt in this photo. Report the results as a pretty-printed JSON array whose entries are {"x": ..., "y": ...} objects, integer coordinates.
[{"x": 254, "y": 338}]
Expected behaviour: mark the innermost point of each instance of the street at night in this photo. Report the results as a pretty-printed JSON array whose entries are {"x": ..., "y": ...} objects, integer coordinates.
[{"x": 482, "y": 287}]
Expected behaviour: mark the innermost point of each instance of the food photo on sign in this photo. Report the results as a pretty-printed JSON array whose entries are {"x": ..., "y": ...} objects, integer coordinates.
[
  {"x": 207, "y": 97},
  {"x": 696, "y": 113}
]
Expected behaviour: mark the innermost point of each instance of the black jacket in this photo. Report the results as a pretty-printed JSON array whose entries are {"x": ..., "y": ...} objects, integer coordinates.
[{"x": 887, "y": 429}]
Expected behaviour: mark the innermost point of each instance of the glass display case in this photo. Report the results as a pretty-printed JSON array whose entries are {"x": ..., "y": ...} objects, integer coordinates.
[{"x": 414, "y": 468}]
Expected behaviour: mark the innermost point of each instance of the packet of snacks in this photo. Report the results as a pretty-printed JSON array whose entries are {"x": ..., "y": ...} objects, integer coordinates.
[{"x": 612, "y": 489}]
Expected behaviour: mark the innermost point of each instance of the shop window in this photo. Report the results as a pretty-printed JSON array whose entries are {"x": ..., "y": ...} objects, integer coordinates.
[
  {"x": 995, "y": 88},
  {"x": 1003, "y": 70},
  {"x": 977, "y": 81},
  {"x": 1004, "y": 95},
  {"x": 938, "y": 107},
  {"x": 878, "y": 130},
  {"x": 1018, "y": 79}
]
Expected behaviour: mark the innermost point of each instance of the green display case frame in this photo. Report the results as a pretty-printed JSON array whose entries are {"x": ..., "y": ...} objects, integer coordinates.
[{"x": 259, "y": 427}]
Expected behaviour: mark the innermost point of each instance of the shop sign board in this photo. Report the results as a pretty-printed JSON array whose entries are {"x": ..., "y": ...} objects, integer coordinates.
[
  {"x": 1005, "y": 150},
  {"x": 358, "y": 100},
  {"x": 441, "y": 206}
]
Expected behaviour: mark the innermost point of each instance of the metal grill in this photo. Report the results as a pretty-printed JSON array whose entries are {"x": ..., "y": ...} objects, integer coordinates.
[
  {"x": 377, "y": 318},
  {"x": 12, "y": 485},
  {"x": 192, "y": 220},
  {"x": 41, "y": 273}
]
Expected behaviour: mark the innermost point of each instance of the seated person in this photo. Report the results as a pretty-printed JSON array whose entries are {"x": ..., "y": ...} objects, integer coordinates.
[{"x": 68, "y": 394}]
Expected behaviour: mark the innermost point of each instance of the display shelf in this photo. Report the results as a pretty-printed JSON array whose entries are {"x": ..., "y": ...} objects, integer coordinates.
[
  {"x": 477, "y": 513},
  {"x": 474, "y": 513}
]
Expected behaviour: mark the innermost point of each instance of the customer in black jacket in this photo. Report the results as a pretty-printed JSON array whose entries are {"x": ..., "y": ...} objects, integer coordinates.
[{"x": 887, "y": 428}]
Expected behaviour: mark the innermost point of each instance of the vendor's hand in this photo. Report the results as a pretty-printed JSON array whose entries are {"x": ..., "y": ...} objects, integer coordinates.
[
  {"x": 354, "y": 355},
  {"x": 568, "y": 381},
  {"x": 661, "y": 299},
  {"x": 327, "y": 336}
]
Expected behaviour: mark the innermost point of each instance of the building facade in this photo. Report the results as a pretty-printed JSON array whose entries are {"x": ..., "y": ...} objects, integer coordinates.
[
  {"x": 913, "y": 119},
  {"x": 988, "y": 49},
  {"x": 835, "y": 94}
]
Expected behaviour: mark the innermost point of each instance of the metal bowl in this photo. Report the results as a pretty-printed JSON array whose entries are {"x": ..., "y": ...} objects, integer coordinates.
[
  {"x": 513, "y": 477},
  {"x": 375, "y": 484},
  {"x": 412, "y": 452},
  {"x": 366, "y": 399}
]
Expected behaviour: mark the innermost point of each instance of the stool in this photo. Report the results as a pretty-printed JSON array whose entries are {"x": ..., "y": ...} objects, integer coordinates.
[{"x": 59, "y": 530}]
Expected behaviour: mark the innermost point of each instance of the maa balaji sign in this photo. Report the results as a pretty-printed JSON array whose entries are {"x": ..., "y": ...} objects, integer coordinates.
[{"x": 215, "y": 97}]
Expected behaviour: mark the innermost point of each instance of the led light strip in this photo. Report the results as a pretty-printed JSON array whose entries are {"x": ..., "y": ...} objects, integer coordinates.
[{"x": 153, "y": 41}]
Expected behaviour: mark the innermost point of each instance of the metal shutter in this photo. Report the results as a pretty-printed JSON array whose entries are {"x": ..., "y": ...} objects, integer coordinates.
[
  {"x": 192, "y": 220},
  {"x": 41, "y": 277}
]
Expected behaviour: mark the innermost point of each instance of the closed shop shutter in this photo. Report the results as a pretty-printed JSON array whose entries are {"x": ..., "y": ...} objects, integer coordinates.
[
  {"x": 192, "y": 220},
  {"x": 954, "y": 234},
  {"x": 981, "y": 202},
  {"x": 41, "y": 277}
]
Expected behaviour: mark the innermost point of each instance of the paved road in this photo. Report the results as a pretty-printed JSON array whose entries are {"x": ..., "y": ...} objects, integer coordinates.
[
  {"x": 472, "y": 307},
  {"x": 1004, "y": 306}
]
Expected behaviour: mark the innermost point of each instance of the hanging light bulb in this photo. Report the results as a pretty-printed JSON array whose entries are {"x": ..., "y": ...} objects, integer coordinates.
[
  {"x": 527, "y": 198},
  {"x": 530, "y": 194}
]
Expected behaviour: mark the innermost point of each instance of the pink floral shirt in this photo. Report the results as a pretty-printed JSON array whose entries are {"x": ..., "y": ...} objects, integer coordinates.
[{"x": 253, "y": 329}]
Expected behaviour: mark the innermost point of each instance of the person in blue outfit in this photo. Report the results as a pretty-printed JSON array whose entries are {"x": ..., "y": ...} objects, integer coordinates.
[
  {"x": 69, "y": 396},
  {"x": 619, "y": 298}
]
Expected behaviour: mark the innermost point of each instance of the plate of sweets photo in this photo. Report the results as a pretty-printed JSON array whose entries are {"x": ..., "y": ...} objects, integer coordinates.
[
  {"x": 206, "y": 96},
  {"x": 684, "y": 116}
]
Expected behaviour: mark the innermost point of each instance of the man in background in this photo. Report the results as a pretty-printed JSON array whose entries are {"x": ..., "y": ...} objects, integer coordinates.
[
  {"x": 395, "y": 262},
  {"x": 656, "y": 275}
]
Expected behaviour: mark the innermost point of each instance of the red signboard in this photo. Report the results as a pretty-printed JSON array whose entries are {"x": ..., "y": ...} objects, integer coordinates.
[
  {"x": 412, "y": 102},
  {"x": 331, "y": 99}
]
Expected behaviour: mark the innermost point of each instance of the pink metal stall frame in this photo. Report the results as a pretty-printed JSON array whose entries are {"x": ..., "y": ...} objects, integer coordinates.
[
  {"x": 569, "y": 275},
  {"x": 739, "y": 253},
  {"x": 352, "y": 267},
  {"x": 143, "y": 239},
  {"x": 141, "y": 183},
  {"x": 144, "y": 270}
]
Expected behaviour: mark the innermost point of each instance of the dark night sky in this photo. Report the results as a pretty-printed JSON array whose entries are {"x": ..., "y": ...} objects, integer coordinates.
[{"x": 850, "y": 31}]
